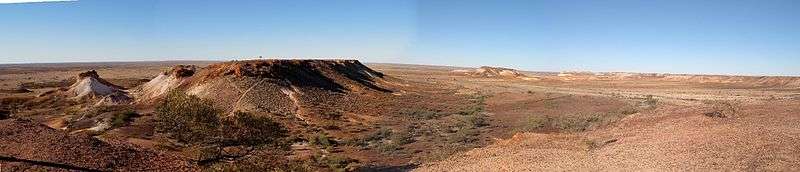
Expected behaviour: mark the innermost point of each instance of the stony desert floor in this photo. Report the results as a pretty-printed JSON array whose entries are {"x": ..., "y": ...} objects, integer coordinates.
[
  {"x": 679, "y": 132},
  {"x": 555, "y": 122}
]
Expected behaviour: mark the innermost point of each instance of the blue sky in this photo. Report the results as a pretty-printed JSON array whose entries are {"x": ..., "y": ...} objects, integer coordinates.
[{"x": 677, "y": 36}]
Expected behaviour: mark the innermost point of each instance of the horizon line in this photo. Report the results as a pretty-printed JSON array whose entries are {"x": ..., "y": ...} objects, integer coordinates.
[{"x": 400, "y": 63}]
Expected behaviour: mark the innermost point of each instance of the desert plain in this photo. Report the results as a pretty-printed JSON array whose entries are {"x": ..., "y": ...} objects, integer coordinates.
[{"x": 342, "y": 115}]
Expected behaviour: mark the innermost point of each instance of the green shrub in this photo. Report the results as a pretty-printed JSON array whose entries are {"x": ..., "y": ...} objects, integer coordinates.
[
  {"x": 187, "y": 118},
  {"x": 337, "y": 163},
  {"x": 475, "y": 121},
  {"x": 575, "y": 123},
  {"x": 374, "y": 137},
  {"x": 245, "y": 129},
  {"x": 384, "y": 140},
  {"x": 190, "y": 119},
  {"x": 480, "y": 99},
  {"x": 261, "y": 161},
  {"x": 628, "y": 111},
  {"x": 389, "y": 148},
  {"x": 464, "y": 136},
  {"x": 379, "y": 135},
  {"x": 649, "y": 102},
  {"x": 534, "y": 123},
  {"x": 570, "y": 122},
  {"x": 472, "y": 110},
  {"x": 123, "y": 118},
  {"x": 402, "y": 137},
  {"x": 322, "y": 139}
]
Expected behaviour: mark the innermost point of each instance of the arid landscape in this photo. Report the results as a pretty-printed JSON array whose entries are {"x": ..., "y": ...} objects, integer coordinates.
[
  {"x": 408, "y": 85},
  {"x": 342, "y": 115}
]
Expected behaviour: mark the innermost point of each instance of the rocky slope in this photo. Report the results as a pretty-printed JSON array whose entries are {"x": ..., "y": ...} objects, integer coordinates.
[
  {"x": 164, "y": 82},
  {"x": 42, "y": 147}
]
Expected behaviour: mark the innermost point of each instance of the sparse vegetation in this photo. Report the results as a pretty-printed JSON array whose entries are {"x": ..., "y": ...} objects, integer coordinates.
[
  {"x": 123, "y": 118},
  {"x": 649, "y": 102},
  {"x": 534, "y": 123},
  {"x": 628, "y": 110},
  {"x": 466, "y": 132},
  {"x": 411, "y": 124},
  {"x": 336, "y": 163},
  {"x": 464, "y": 136},
  {"x": 187, "y": 118},
  {"x": 402, "y": 137},
  {"x": 721, "y": 108},
  {"x": 550, "y": 104},
  {"x": 193, "y": 121},
  {"x": 479, "y": 104},
  {"x": 322, "y": 140},
  {"x": 262, "y": 160},
  {"x": 474, "y": 121},
  {"x": 245, "y": 129},
  {"x": 384, "y": 140},
  {"x": 575, "y": 122},
  {"x": 473, "y": 110},
  {"x": 422, "y": 114}
]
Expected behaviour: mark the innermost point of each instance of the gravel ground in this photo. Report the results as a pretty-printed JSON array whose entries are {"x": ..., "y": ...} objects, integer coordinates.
[
  {"x": 26, "y": 140},
  {"x": 762, "y": 137}
]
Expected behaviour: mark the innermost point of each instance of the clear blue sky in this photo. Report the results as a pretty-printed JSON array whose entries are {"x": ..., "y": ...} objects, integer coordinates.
[{"x": 751, "y": 37}]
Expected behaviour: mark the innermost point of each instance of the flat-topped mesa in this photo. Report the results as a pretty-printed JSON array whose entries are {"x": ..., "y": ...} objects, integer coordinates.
[
  {"x": 302, "y": 87},
  {"x": 487, "y": 71},
  {"x": 268, "y": 85},
  {"x": 273, "y": 68},
  {"x": 333, "y": 75},
  {"x": 576, "y": 73}
]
